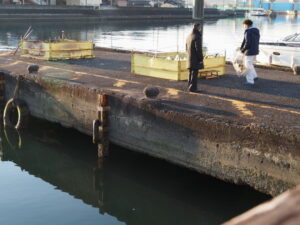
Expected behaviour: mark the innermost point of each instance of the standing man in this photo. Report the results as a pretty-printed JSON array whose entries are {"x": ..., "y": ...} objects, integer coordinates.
[
  {"x": 250, "y": 47},
  {"x": 194, "y": 56}
]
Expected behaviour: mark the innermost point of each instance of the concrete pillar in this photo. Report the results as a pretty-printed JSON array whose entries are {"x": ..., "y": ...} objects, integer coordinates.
[{"x": 198, "y": 10}]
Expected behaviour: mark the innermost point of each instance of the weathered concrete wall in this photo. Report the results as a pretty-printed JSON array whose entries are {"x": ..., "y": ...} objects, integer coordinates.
[{"x": 265, "y": 159}]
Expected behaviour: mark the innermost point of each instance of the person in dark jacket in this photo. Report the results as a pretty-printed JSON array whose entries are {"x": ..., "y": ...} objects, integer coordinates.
[
  {"x": 250, "y": 47},
  {"x": 194, "y": 56}
]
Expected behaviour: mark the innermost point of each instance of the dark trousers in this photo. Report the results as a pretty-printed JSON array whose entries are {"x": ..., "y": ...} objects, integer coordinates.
[{"x": 193, "y": 78}]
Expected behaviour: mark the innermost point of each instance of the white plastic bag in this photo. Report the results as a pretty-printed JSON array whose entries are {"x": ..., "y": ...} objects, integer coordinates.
[{"x": 238, "y": 63}]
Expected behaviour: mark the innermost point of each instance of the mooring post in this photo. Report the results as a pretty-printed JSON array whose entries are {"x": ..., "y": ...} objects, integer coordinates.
[
  {"x": 2, "y": 94},
  {"x": 103, "y": 116}
]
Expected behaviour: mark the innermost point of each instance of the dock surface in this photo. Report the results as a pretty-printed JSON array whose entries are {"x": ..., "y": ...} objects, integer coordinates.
[
  {"x": 234, "y": 132},
  {"x": 274, "y": 100}
]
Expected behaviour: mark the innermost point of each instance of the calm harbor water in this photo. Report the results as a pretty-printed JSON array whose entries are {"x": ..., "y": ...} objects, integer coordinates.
[
  {"x": 220, "y": 36},
  {"x": 53, "y": 177}
]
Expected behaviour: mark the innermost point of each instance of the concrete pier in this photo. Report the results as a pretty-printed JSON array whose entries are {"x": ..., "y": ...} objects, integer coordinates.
[{"x": 246, "y": 135}]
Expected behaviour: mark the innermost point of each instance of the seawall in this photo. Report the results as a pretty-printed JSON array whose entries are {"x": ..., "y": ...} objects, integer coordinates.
[{"x": 241, "y": 142}]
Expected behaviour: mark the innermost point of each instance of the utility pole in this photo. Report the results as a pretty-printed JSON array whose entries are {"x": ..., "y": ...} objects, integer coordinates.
[
  {"x": 198, "y": 14},
  {"x": 198, "y": 10}
]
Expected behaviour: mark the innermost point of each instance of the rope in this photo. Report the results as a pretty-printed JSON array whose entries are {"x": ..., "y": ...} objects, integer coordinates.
[{"x": 16, "y": 91}]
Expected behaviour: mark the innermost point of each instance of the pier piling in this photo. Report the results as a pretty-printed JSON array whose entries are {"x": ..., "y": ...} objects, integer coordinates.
[{"x": 101, "y": 126}]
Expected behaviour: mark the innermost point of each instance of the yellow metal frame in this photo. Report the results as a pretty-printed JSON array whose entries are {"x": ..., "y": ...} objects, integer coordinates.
[
  {"x": 163, "y": 65},
  {"x": 65, "y": 49}
]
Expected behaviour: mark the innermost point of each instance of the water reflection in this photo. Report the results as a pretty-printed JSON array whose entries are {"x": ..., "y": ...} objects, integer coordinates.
[
  {"x": 119, "y": 34},
  {"x": 133, "y": 188},
  {"x": 219, "y": 35}
]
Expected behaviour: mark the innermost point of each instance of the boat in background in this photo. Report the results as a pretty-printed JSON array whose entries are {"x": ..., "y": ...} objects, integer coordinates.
[
  {"x": 258, "y": 12},
  {"x": 285, "y": 52}
]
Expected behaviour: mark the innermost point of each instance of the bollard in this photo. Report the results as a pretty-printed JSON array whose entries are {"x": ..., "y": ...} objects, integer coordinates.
[
  {"x": 100, "y": 126},
  {"x": 33, "y": 68},
  {"x": 151, "y": 92}
]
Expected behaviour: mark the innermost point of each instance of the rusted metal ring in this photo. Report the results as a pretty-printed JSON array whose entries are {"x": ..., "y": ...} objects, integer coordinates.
[{"x": 22, "y": 114}]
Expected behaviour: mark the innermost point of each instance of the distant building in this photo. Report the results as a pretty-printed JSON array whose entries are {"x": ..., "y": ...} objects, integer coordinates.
[
  {"x": 277, "y": 5},
  {"x": 122, "y": 3},
  {"x": 84, "y": 2},
  {"x": 138, "y": 3},
  {"x": 126, "y": 3},
  {"x": 30, "y": 2}
]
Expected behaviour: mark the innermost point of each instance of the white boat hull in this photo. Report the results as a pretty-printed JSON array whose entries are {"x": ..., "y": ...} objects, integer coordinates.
[
  {"x": 279, "y": 55},
  {"x": 258, "y": 14}
]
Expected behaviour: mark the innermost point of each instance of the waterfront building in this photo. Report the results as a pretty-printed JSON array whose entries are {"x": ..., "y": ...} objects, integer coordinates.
[
  {"x": 276, "y": 5},
  {"x": 29, "y": 2},
  {"x": 84, "y": 2}
]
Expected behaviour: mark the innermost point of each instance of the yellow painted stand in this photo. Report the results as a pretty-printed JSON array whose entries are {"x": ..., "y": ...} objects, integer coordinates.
[
  {"x": 164, "y": 65},
  {"x": 64, "y": 49}
]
